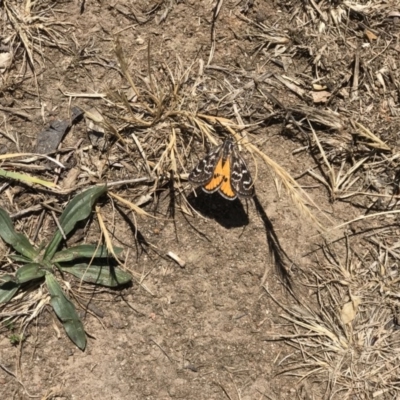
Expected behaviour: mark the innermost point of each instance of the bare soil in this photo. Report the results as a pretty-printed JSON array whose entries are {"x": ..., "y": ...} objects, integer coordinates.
[{"x": 213, "y": 328}]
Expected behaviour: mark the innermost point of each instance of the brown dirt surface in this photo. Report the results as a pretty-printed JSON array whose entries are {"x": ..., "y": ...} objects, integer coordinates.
[{"x": 272, "y": 302}]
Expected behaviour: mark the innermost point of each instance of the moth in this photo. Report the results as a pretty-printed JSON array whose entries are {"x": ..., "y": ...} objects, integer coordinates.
[{"x": 224, "y": 170}]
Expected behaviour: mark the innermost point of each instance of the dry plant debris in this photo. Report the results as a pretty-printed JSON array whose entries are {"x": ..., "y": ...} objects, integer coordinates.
[
  {"x": 31, "y": 26},
  {"x": 332, "y": 81},
  {"x": 166, "y": 113},
  {"x": 349, "y": 343}
]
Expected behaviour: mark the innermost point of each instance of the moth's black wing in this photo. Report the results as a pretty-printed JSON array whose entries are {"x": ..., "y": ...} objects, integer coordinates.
[
  {"x": 204, "y": 170},
  {"x": 241, "y": 180}
]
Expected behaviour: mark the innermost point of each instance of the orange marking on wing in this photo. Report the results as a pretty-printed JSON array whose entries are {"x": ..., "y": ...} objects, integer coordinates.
[
  {"x": 216, "y": 179},
  {"x": 226, "y": 187}
]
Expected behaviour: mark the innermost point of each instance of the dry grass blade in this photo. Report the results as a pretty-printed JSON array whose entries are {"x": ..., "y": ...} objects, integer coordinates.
[
  {"x": 204, "y": 128},
  {"x": 327, "y": 118},
  {"x": 110, "y": 248},
  {"x": 337, "y": 183},
  {"x": 33, "y": 29},
  {"x": 18, "y": 26},
  {"x": 34, "y": 157},
  {"x": 165, "y": 157},
  {"x": 131, "y": 205},
  {"x": 98, "y": 119},
  {"x": 142, "y": 153},
  {"x": 295, "y": 192},
  {"x": 106, "y": 237},
  {"x": 350, "y": 348},
  {"x": 305, "y": 318},
  {"x": 217, "y": 9},
  {"x": 124, "y": 67},
  {"x": 290, "y": 85},
  {"x": 364, "y": 217},
  {"x": 376, "y": 142}
]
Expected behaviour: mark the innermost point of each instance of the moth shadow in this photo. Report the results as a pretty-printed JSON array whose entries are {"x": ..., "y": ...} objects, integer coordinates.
[{"x": 228, "y": 213}]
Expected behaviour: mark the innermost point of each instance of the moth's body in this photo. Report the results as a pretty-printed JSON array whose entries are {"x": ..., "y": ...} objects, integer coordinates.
[{"x": 224, "y": 170}]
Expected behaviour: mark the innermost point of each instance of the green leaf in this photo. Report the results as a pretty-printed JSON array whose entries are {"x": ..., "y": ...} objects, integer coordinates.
[
  {"x": 66, "y": 312},
  {"x": 17, "y": 257},
  {"x": 6, "y": 278},
  {"x": 84, "y": 251},
  {"x": 30, "y": 272},
  {"x": 25, "y": 178},
  {"x": 8, "y": 288},
  {"x": 78, "y": 209},
  {"x": 18, "y": 241},
  {"x": 98, "y": 274}
]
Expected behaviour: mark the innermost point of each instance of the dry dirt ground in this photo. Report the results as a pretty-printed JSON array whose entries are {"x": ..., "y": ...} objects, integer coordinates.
[{"x": 315, "y": 85}]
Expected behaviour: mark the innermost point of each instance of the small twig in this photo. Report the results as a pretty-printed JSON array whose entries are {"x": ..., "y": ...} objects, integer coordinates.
[
  {"x": 294, "y": 88},
  {"x": 380, "y": 244},
  {"x": 5, "y": 369},
  {"x": 58, "y": 225},
  {"x": 216, "y": 11},
  {"x": 38, "y": 225},
  {"x": 14, "y": 111},
  {"x": 142, "y": 153},
  {"x": 177, "y": 259},
  {"x": 29, "y": 210},
  {"x": 166, "y": 354},
  {"x": 354, "y": 89},
  {"x": 321, "y": 14},
  {"x": 362, "y": 217}
]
